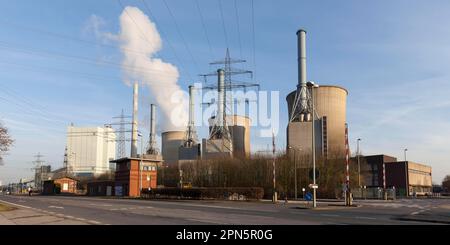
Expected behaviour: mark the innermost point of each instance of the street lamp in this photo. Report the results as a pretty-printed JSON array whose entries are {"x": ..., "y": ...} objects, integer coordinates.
[
  {"x": 311, "y": 85},
  {"x": 359, "y": 164},
  {"x": 140, "y": 165}
]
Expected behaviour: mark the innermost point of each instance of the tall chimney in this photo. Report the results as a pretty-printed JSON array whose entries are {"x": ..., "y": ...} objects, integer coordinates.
[
  {"x": 301, "y": 46},
  {"x": 221, "y": 100},
  {"x": 134, "y": 126},
  {"x": 152, "y": 139},
  {"x": 303, "y": 93},
  {"x": 191, "y": 136},
  {"x": 191, "y": 107}
]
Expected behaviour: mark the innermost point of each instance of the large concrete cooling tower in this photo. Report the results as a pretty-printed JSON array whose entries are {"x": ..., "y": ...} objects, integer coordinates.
[
  {"x": 170, "y": 144},
  {"x": 330, "y": 104}
]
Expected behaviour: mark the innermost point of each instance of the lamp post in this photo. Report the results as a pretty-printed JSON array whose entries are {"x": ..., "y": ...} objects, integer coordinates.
[
  {"x": 140, "y": 165},
  {"x": 312, "y": 86},
  {"x": 359, "y": 164}
]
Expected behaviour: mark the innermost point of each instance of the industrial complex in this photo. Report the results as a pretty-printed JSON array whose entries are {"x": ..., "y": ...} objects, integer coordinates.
[{"x": 317, "y": 128}]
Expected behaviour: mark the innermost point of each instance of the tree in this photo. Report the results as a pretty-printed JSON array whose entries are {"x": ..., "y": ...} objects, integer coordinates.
[{"x": 5, "y": 141}]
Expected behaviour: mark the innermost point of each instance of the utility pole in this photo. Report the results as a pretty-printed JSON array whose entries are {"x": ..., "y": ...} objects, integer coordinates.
[
  {"x": 274, "y": 198},
  {"x": 140, "y": 164},
  {"x": 314, "y": 186},
  {"x": 359, "y": 164},
  {"x": 348, "y": 197}
]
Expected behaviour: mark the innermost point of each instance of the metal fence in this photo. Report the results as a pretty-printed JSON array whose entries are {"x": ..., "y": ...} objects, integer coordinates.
[{"x": 374, "y": 193}]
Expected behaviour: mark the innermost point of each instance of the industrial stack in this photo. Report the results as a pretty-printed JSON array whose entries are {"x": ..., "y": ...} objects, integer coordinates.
[
  {"x": 329, "y": 117},
  {"x": 190, "y": 150},
  {"x": 139, "y": 171}
]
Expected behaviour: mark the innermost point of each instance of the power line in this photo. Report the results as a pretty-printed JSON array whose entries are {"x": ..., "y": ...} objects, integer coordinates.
[
  {"x": 253, "y": 40},
  {"x": 181, "y": 35},
  {"x": 67, "y": 37},
  {"x": 204, "y": 27},
  {"x": 181, "y": 63},
  {"x": 238, "y": 28},
  {"x": 86, "y": 59},
  {"x": 223, "y": 23}
]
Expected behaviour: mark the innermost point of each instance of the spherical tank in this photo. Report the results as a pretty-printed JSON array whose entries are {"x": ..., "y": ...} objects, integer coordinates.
[
  {"x": 329, "y": 102},
  {"x": 170, "y": 144}
]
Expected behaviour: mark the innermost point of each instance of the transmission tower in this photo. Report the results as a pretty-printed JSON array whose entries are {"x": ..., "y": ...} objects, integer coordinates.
[
  {"x": 38, "y": 162},
  {"x": 121, "y": 150},
  {"x": 38, "y": 170},
  {"x": 220, "y": 129}
]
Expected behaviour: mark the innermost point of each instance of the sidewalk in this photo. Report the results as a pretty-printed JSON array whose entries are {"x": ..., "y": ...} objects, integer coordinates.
[{"x": 25, "y": 216}]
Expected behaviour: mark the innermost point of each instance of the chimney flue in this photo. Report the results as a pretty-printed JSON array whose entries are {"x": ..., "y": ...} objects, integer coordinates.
[
  {"x": 152, "y": 139},
  {"x": 221, "y": 100},
  {"x": 301, "y": 46},
  {"x": 134, "y": 126}
]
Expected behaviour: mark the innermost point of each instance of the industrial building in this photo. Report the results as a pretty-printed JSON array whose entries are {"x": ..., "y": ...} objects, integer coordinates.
[
  {"x": 90, "y": 149},
  {"x": 329, "y": 115},
  {"x": 408, "y": 178},
  {"x": 372, "y": 169}
]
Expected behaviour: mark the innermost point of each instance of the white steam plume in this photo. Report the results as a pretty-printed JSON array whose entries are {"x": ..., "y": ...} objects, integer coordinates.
[{"x": 140, "y": 41}]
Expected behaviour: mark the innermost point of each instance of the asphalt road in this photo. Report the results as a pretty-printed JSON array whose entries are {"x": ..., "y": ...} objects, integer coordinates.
[{"x": 97, "y": 210}]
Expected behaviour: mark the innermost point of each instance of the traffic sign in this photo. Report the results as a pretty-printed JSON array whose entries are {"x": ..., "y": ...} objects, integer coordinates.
[
  {"x": 313, "y": 186},
  {"x": 308, "y": 196}
]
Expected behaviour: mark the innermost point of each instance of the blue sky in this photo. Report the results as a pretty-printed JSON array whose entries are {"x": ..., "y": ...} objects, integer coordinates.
[{"x": 393, "y": 57}]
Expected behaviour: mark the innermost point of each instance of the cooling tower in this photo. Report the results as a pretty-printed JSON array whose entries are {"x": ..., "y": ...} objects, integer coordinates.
[
  {"x": 239, "y": 127},
  {"x": 330, "y": 106},
  {"x": 171, "y": 142}
]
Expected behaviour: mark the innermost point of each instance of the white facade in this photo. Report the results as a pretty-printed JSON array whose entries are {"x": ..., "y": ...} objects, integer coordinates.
[{"x": 89, "y": 150}]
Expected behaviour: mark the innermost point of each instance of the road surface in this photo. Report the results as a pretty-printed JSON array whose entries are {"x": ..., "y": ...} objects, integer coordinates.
[{"x": 109, "y": 211}]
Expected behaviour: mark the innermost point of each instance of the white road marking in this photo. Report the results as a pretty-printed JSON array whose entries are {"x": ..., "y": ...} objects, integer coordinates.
[
  {"x": 18, "y": 205},
  {"x": 95, "y": 222},
  {"x": 330, "y": 215},
  {"x": 57, "y": 207},
  {"x": 414, "y": 213},
  {"x": 371, "y": 218}
]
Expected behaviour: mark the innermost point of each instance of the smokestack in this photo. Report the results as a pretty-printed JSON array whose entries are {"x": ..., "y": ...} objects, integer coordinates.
[
  {"x": 191, "y": 107},
  {"x": 304, "y": 108},
  {"x": 191, "y": 137},
  {"x": 134, "y": 123},
  {"x": 152, "y": 139},
  {"x": 301, "y": 46},
  {"x": 221, "y": 100}
]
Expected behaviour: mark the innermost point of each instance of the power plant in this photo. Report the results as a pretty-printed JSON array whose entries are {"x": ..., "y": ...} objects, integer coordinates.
[{"x": 329, "y": 117}]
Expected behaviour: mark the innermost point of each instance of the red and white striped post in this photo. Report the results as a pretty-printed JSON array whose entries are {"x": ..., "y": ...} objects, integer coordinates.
[
  {"x": 384, "y": 182},
  {"x": 347, "y": 169}
]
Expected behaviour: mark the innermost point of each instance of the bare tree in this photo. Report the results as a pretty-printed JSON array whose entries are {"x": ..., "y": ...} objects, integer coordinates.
[{"x": 5, "y": 141}]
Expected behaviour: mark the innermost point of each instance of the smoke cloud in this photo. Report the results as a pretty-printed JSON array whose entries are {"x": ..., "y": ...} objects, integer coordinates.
[{"x": 140, "y": 42}]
